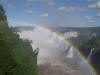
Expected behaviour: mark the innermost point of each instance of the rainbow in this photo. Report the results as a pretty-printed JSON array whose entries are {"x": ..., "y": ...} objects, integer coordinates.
[{"x": 47, "y": 30}]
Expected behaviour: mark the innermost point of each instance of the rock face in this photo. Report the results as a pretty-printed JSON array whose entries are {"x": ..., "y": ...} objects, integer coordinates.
[{"x": 96, "y": 61}]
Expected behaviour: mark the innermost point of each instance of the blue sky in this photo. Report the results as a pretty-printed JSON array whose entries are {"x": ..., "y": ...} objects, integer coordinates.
[{"x": 68, "y": 13}]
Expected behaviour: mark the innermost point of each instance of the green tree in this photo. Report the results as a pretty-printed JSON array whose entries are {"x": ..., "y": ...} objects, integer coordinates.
[{"x": 16, "y": 55}]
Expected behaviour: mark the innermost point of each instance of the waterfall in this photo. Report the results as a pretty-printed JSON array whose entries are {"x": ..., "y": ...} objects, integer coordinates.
[
  {"x": 70, "y": 53},
  {"x": 90, "y": 54},
  {"x": 55, "y": 55}
]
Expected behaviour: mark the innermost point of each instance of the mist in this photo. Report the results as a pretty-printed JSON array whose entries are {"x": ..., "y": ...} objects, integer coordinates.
[
  {"x": 54, "y": 51},
  {"x": 50, "y": 46}
]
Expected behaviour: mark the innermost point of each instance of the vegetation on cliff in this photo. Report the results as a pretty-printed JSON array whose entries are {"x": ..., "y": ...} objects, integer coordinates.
[
  {"x": 16, "y": 55},
  {"x": 86, "y": 48}
]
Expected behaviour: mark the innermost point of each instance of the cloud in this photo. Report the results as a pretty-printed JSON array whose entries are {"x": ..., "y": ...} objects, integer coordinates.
[
  {"x": 98, "y": 4},
  {"x": 29, "y": 11},
  {"x": 91, "y": 0},
  {"x": 61, "y": 20},
  {"x": 30, "y": 0},
  {"x": 72, "y": 9},
  {"x": 98, "y": 15},
  {"x": 87, "y": 17},
  {"x": 33, "y": 0},
  {"x": 95, "y": 5},
  {"x": 20, "y": 23},
  {"x": 57, "y": 18},
  {"x": 47, "y": 2},
  {"x": 44, "y": 15},
  {"x": 90, "y": 19},
  {"x": 92, "y": 6},
  {"x": 8, "y": 4},
  {"x": 66, "y": 9}
]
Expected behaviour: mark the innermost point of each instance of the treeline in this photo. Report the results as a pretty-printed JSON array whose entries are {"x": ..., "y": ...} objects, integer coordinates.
[{"x": 16, "y": 55}]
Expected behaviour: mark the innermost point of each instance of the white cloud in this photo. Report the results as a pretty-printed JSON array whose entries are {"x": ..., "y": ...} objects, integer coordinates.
[
  {"x": 81, "y": 9},
  {"x": 30, "y": 0},
  {"x": 98, "y": 4},
  {"x": 8, "y": 4},
  {"x": 92, "y": 6},
  {"x": 72, "y": 9},
  {"x": 98, "y": 15},
  {"x": 95, "y": 5},
  {"x": 20, "y": 23},
  {"x": 92, "y": 0},
  {"x": 47, "y": 2},
  {"x": 87, "y": 17},
  {"x": 90, "y": 19},
  {"x": 29, "y": 11},
  {"x": 44, "y": 15},
  {"x": 66, "y": 9},
  {"x": 33, "y": 0}
]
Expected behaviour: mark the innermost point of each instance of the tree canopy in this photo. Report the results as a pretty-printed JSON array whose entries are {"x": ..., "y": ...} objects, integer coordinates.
[{"x": 16, "y": 55}]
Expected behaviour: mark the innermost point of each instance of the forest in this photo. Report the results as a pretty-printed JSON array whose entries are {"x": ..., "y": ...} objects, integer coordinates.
[{"x": 16, "y": 55}]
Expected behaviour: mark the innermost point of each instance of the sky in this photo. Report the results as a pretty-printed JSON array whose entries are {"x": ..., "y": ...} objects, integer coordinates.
[{"x": 66, "y": 13}]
